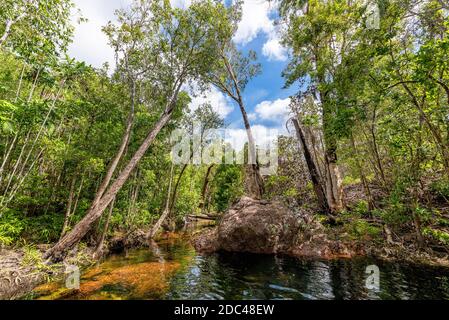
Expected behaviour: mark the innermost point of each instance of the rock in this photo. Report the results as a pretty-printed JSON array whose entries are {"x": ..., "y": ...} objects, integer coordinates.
[
  {"x": 207, "y": 242},
  {"x": 254, "y": 226},
  {"x": 258, "y": 226}
]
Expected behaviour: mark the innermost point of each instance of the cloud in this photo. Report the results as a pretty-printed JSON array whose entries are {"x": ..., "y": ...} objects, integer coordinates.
[
  {"x": 182, "y": 4},
  {"x": 273, "y": 49},
  {"x": 218, "y": 101},
  {"x": 275, "y": 111},
  {"x": 263, "y": 136},
  {"x": 255, "y": 19},
  {"x": 252, "y": 116},
  {"x": 90, "y": 44}
]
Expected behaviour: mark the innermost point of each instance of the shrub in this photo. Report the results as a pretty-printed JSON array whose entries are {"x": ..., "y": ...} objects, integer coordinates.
[
  {"x": 11, "y": 226},
  {"x": 438, "y": 235},
  {"x": 441, "y": 188}
]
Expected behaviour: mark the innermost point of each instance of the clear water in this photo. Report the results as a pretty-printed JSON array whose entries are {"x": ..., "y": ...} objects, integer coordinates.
[{"x": 173, "y": 270}]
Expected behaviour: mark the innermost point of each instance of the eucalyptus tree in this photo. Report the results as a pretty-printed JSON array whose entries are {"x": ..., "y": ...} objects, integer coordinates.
[
  {"x": 35, "y": 23},
  {"x": 207, "y": 119},
  {"x": 38, "y": 31},
  {"x": 177, "y": 46},
  {"x": 231, "y": 74},
  {"x": 319, "y": 34}
]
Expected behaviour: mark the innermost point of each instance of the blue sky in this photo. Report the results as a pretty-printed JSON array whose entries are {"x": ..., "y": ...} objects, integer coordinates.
[{"x": 266, "y": 102}]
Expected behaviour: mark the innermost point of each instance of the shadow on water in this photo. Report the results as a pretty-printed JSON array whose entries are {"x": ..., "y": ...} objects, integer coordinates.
[{"x": 173, "y": 270}]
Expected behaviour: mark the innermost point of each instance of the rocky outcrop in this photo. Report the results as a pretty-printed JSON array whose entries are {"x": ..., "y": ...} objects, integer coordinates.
[{"x": 259, "y": 226}]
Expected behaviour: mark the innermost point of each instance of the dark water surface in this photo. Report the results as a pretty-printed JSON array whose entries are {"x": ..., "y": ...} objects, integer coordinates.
[{"x": 173, "y": 270}]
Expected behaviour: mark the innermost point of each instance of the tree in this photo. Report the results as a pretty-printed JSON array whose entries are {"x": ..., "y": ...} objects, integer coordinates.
[
  {"x": 28, "y": 26},
  {"x": 319, "y": 33},
  {"x": 180, "y": 45},
  {"x": 230, "y": 74}
]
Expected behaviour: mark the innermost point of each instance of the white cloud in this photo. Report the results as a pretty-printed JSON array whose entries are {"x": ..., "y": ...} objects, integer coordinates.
[
  {"x": 183, "y": 4},
  {"x": 90, "y": 44},
  {"x": 273, "y": 49},
  {"x": 255, "y": 19},
  {"x": 275, "y": 111},
  {"x": 263, "y": 136},
  {"x": 218, "y": 101},
  {"x": 252, "y": 116}
]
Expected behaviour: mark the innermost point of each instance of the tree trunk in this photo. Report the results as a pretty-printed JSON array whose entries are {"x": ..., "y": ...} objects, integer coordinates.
[
  {"x": 6, "y": 33},
  {"x": 100, "y": 244},
  {"x": 205, "y": 188},
  {"x": 164, "y": 215},
  {"x": 313, "y": 171},
  {"x": 58, "y": 251},
  {"x": 255, "y": 186},
  {"x": 69, "y": 207},
  {"x": 175, "y": 189},
  {"x": 376, "y": 148},
  {"x": 334, "y": 187},
  {"x": 8, "y": 25}
]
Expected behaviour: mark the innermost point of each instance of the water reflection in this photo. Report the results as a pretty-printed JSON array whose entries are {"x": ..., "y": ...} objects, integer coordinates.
[{"x": 173, "y": 270}]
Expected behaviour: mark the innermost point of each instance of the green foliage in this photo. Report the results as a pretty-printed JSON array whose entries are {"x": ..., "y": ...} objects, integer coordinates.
[
  {"x": 31, "y": 256},
  {"x": 441, "y": 188},
  {"x": 440, "y": 236},
  {"x": 374, "y": 100},
  {"x": 361, "y": 208},
  {"x": 11, "y": 226},
  {"x": 361, "y": 229},
  {"x": 43, "y": 228},
  {"x": 227, "y": 186}
]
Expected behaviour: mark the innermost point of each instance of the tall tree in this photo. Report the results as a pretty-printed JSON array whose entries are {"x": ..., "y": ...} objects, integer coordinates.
[
  {"x": 319, "y": 33},
  {"x": 179, "y": 46},
  {"x": 231, "y": 74}
]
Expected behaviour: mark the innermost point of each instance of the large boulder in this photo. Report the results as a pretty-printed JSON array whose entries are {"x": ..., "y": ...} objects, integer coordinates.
[
  {"x": 259, "y": 226},
  {"x": 255, "y": 226}
]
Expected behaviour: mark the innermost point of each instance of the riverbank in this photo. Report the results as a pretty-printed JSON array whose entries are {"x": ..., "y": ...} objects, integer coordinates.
[{"x": 22, "y": 269}]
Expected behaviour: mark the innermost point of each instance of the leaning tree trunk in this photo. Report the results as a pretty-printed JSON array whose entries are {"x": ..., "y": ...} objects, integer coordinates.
[
  {"x": 58, "y": 251},
  {"x": 175, "y": 189},
  {"x": 69, "y": 207},
  {"x": 99, "y": 249},
  {"x": 313, "y": 171}
]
